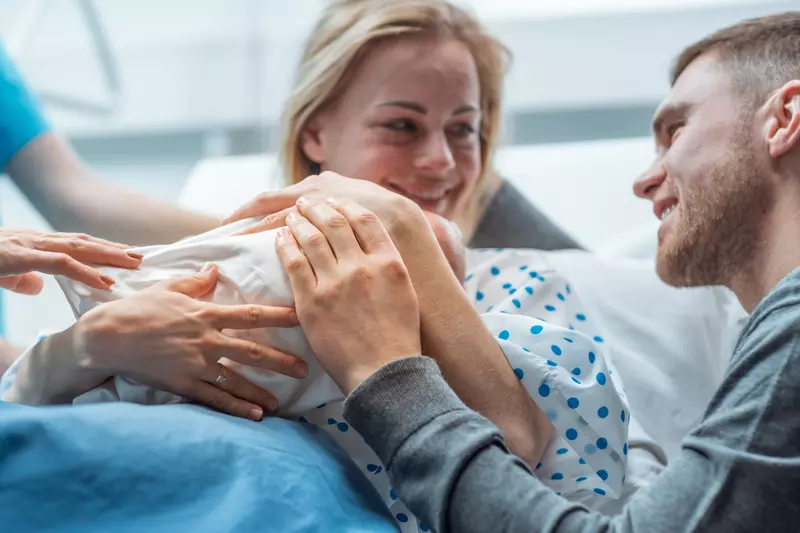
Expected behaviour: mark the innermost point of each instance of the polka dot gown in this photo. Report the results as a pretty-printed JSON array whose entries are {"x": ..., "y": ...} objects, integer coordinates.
[{"x": 558, "y": 354}]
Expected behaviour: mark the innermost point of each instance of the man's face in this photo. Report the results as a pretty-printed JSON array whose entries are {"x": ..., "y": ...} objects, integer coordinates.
[{"x": 707, "y": 183}]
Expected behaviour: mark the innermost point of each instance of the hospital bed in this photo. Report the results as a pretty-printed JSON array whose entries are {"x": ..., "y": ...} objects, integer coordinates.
[{"x": 671, "y": 346}]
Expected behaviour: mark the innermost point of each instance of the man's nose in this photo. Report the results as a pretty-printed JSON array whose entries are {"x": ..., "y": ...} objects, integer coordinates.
[{"x": 648, "y": 183}]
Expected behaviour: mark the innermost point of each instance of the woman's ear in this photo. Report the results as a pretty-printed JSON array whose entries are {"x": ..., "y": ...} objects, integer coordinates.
[
  {"x": 311, "y": 141},
  {"x": 784, "y": 121}
]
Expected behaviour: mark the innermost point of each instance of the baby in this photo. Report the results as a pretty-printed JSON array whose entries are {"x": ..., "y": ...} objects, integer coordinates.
[{"x": 537, "y": 320}]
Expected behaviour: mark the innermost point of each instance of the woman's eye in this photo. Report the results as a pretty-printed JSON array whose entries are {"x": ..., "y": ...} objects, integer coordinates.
[
  {"x": 400, "y": 126},
  {"x": 463, "y": 130}
]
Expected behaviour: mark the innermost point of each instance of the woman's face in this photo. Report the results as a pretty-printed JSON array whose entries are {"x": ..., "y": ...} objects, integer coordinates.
[{"x": 409, "y": 121}]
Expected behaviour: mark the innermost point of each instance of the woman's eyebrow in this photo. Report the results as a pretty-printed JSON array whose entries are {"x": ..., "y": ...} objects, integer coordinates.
[{"x": 405, "y": 105}]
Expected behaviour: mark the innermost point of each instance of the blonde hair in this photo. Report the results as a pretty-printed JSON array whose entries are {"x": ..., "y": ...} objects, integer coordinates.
[{"x": 345, "y": 33}]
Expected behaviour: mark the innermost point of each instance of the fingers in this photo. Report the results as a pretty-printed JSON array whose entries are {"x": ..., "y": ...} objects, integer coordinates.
[
  {"x": 333, "y": 224},
  {"x": 64, "y": 265},
  {"x": 194, "y": 286},
  {"x": 30, "y": 284},
  {"x": 368, "y": 229},
  {"x": 84, "y": 237},
  {"x": 275, "y": 220},
  {"x": 254, "y": 354},
  {"x": 238, "y": 386},
  {"x": 267, "y": 204},
  {"x": 313, "y": 243},
  {"x": 224, "y": 402},
  {"x": 301, "y": 275},
  {"x": 249, "y": 316},
  {"x": 88, "y": 250}
]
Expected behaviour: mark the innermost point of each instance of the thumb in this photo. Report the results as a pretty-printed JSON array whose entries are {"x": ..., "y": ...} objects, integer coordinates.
[
  {"x": 194, "y": 286},
  {"x": 30, "y": 283}
]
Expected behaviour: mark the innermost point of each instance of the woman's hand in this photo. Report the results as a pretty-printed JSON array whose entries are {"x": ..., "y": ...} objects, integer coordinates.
[
  {"x": 165, "y": 338},
  {"x": 24, "y": 252},
  {"x": 353, "y": 295},
  {"x": 390, "y": 207}
]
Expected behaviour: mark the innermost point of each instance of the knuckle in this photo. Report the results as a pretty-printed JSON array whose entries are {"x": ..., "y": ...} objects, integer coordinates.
[
  {"x": 336, "y": 221},
  {"x": 63, "y": 260},
  {"x": 252, "y": 314},
  {"x": 317, "y": 239},
  {"x": 296, "y": 263},
  {"x": 394, "y": 268},
  {"x": 367, "y": 218},
  {"x": 76, "y": 244}
]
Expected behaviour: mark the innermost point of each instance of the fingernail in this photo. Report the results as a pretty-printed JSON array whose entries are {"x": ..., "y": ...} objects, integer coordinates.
[
  {"x": 302, "y": 200},
  {"x": 272, "y": 404},
  {"x": 301, "y": 369},
  {"x": 207, "y": 268},
  {"x": 291, "y": 217},
  {"x": 135, "y": 255},
  {"x": 332, "y": 202},
  {"x": 107, "y": 280},
  {"x": 293, "y": 317},
  {"x": 256, "y": 414}
]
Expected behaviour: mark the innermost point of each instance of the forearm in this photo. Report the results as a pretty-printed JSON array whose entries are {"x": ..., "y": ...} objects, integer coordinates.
[
  {"x": 409, "y": 416},
  {"x": 60, "y": 186},
  {"x": 469, "y": 357},
  {"x": 49, "y": 373}
]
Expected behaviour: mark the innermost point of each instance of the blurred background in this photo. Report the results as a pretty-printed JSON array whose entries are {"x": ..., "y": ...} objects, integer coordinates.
[{"x": 147, "y": 89}]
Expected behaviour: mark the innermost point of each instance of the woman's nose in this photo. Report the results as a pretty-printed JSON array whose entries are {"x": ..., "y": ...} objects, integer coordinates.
[
  {"x": 435, "y": 155},
  {"x": 647, "y": 184}
]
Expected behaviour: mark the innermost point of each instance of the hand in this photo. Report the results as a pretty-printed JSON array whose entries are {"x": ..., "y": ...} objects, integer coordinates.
[
  {"x": 165, "y": 338},
  {"x": 275, "y": 206},
  {"x": 353, "y": 295},
  {"x": 451, "y": 242},
  {"x": 24, "y": 252}
]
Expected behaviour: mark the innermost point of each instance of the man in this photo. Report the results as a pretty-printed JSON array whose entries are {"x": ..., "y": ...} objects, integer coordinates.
[{"x": 726, "y": 184}]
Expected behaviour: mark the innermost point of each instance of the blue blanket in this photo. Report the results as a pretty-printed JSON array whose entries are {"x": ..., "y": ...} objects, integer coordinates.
[{"x": 121, "y": 467}]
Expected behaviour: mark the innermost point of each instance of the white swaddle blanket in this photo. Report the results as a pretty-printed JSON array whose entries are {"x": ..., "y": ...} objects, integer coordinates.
[{"x": 563, "y": 369}]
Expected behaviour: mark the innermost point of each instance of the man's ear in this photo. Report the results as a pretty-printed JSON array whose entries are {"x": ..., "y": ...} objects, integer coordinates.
[
  {"x": 311, "y": 141},
  {"x": 783, "y": 125}
]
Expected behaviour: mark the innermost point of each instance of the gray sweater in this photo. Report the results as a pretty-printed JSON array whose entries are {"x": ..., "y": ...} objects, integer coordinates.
[{"x": 739, "y": 470}]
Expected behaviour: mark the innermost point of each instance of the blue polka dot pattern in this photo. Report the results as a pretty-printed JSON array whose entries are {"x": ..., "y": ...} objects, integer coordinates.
[
  {"x": 520, "y": 374},
  {"x": 580, "y": 317},
  {"x": 602, "y": 474},
  {"x": 601, "y": 492},
  {"x": 576, "y": 371},
  {"x": 568, "y": 340},
  {"x": 582, "y": 478},
  {"x": 555, "y": 349},
  {"x": 538, "y": 466},
  {"x": 506, "y": 285},
  {"x": 529, "y": 290},
  {"x": 393, "y": 494},
  {"x": 601, "y": 378},
  {"x": 598, "y": 338},
  {"x": 591, "y": 358},
  {"x": 504, "y": 335},
  {"x": 625, "y": 448},
  {"x": 581, "y": 461},
  {"x": 573, "y": 403},
  {"x": 561, "y": 451},
  {"x": 495, "y": 271},
  {"x": 512, "y": 291},
  {"x": 342, "y": 426},
  {"x": 602, "y": 443},
  {"x": 523, "y": 267},
  {"x": 479, "y": 296},
  {"x": 622, "y": 416},
  {"x": 557, "y": 476},
  {"x": 537, "y": 329},
  {"x": 544, "y": 390},
  {"x": 560, "y": 296},
  {"x": 550, "y": 308},
  {"x": 602, "y": 412},
  {"x": 401, "y": 517},
  {"x": 516, "y": 303},
  {"x": 576, "y": 381},
  {"x": 331, "y": 421},
  {"x": 423, "y": 527},
  {"x": 571, "y": 434},
  {"x": 551, "y": 363}
]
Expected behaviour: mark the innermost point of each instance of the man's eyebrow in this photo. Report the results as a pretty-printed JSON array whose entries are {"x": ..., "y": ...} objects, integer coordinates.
[
  {"x": 667, "y": 112},
  {"x": 404, "y": 104}
]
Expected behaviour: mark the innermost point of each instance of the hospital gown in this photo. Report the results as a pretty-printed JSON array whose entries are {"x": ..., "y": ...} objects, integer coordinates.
[{"x": 528, "y": 308}]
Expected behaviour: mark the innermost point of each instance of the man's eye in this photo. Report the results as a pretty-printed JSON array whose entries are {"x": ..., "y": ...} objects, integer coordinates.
[{"x": 674, "y": 131}]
